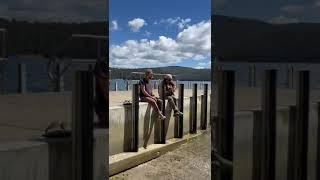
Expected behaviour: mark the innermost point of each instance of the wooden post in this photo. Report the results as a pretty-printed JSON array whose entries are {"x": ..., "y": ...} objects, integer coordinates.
[
  {"x": 162, "y": 128},
  {"x": 292, "y": 153},
  {"x": 256, "y": 148},
  {"x": 59, "y": 81},
  {"x": 178, "y": 124},
  {"x": 268, "y": 154},
  {"x": 116, "y": 85},
  {"x": 135, "y": 118},
  {"x": 318, "y": 144},
  {"x": 190, "y": 116},
  {"x": 22, "y": 78},
  {"x": 202, "y": 123},
  {"x": 193, "y": 118},
  {"x": 127, "y": 85},
  {"x": 205, "y": 108},
  {"x": 225, "y": 120},
  {"x": 302, "y": 121},
  {"x": 82, "y": 127},
  {"x": 160, "y": 137},
  {"x": 4, "y": 44},
  {"x": 290, "y": 77}
]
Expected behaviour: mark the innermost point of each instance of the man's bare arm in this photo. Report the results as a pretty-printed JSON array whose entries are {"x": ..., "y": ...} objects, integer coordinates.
[{"x": 143, "y": 89}]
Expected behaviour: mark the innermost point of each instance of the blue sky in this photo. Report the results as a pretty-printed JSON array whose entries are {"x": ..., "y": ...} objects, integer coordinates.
[{"x": 152, "y": 33}]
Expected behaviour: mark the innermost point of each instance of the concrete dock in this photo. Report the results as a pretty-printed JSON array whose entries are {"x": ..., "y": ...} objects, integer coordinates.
[{"x": 189, "y": 161}]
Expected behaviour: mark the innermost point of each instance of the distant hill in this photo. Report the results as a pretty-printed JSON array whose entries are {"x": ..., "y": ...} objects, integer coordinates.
[
  {"x": 240, "y": 39},
  {"x": 41, "y": 38},
  {"x": 183, "y": 73}
]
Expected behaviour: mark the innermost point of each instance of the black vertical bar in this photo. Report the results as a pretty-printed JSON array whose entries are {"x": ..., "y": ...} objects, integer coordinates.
[
  {"x": 202, "y": 125},
  {"x": 4, "y": 44},
  {"x": 268, "y": 154},
  {"x": 292, "y": 161},
  {"x": 225, "y": 124},
  {"x": 190, "y": 115},
  {"x": 291, "y": 77},
  {"x": 254, "y": 77},
  {"x": 178, "y": 126},
  {"x": 205, "y": 108},
  {"x": 250, "y": 80},
  {"x": 127, "y": 85},
  {"x": 302, "y": 121},
  {"x": 82, "y": 126},
  {"x": 162, "y": 128},
  {"x": 59, "y": 81},
  {"x": 318, "y": 144},
  {"x": 135, "y": 118},
  {"x": 256, "y": 148},
  {"x": 22, "y": 78},
  {"x": 193, "y": 128}
]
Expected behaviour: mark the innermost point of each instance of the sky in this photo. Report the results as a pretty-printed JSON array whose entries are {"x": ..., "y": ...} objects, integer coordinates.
[
  {"x": 272, "y": 11},
  {"x": 152, "y": 33}
]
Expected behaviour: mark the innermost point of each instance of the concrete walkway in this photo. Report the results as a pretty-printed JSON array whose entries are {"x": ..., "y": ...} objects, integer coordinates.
[{"x": 189, "y": 161}]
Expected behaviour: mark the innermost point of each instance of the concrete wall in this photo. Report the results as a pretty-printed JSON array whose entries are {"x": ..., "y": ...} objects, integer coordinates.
[
  {"x": 30, "y": 114},
  {"x": 243, "y": 129},
  {"x": 49, "y": 159},
  {"x": 147, "y": 121}
]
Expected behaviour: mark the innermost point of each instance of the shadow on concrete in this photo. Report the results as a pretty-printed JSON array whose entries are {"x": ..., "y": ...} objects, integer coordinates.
[
  {"x": 149, "y": 119},
  {"x": 168, "y": 112},
  {"x": 128, "y": 131}
]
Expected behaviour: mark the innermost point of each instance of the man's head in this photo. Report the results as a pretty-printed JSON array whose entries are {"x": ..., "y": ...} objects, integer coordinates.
[
  {"x": 168, "y": 77},
  {"x": 149, "y": 74}
]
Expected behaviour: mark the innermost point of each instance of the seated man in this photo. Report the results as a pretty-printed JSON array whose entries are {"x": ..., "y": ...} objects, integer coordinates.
[
  {"x": 146, "y": 94},
  {"x": 169, "y": 89}
]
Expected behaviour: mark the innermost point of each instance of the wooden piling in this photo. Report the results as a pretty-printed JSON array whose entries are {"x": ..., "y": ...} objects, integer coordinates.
[
  {"x": 135, "y": 118},
  {"x": 225, "y": 120},
  {"x": 303, "y": 83},
  {"x": 22, "y": 78},
  {"x": 292, "y": 153},
  {"x": 178, "y": 124},
  {"x": 256, "y": 147},
  {"x": 268, "y": 153},
  {"x": 82, "y": 126},
  {"x": 204, "y": 107},
  {"x": 193, "y": 122}
]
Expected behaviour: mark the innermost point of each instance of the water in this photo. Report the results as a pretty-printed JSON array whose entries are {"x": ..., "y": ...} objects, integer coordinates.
[
  {"x": 37, "y": 79},
  {"x": 121, "y": 84}
]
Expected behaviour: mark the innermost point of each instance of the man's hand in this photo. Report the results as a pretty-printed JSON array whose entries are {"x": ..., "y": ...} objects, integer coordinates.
[{"x": 154, "y": 97}]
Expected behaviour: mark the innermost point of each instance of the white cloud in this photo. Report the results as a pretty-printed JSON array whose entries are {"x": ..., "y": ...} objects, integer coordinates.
[
  {"x": 180, "y": 22},
  {"x": 193, "y": 42},
  {"x": 147, "y": 33},
  {"x": 114, "y": 25},
  {"x": 204, "y": 65},
  {"x": 136, "y": 24}
]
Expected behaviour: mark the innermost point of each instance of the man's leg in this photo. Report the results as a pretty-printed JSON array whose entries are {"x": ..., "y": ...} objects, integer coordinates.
[
  {"x": 171, "y": 101},
  {"x": 153, "y": 103}
]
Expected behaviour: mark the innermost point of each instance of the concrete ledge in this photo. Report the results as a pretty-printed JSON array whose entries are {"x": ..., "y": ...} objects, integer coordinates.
[{"x": 124, "y": 161}]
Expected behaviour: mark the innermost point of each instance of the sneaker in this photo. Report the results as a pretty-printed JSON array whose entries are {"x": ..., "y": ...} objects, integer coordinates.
[{"x": 177, "y": 113}]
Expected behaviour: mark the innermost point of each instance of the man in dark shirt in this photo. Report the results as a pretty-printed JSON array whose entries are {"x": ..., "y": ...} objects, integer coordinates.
[{"x": 146, "y": 94}]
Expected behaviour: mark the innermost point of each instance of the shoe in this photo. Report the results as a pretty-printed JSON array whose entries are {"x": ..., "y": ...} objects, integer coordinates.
[{"x": 178, "y": 113}]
